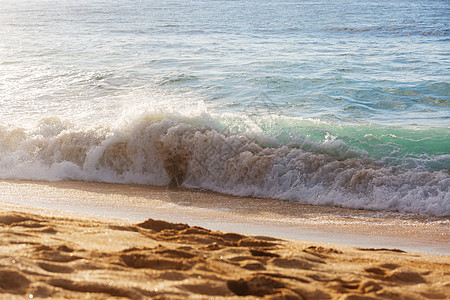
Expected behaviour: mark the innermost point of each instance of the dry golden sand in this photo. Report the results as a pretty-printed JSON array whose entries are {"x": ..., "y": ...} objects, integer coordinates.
[{"x": 99, "y": 258}]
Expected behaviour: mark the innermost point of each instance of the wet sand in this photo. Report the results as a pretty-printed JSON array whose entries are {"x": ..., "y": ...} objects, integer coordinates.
[
  {"x": 282, "y": 219},
  {"x": 56, "y": 254}
]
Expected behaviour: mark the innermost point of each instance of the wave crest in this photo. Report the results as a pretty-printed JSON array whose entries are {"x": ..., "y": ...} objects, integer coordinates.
[{"x": 172, "y": 152}]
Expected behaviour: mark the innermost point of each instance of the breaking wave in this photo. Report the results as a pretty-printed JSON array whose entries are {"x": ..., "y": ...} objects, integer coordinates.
[{"x": 203, "y": 153}]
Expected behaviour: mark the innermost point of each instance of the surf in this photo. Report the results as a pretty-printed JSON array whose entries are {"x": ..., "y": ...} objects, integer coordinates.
[{"x": 300, "y": 160}]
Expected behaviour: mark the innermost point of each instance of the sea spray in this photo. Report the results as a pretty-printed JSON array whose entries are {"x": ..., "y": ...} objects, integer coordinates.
[
  {"x": 183, "y": 152},
  {"x": 256, "y": 97}
]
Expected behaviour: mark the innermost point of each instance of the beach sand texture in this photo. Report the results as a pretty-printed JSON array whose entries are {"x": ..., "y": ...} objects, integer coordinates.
[
  {"x": 245, "y": 215},
  {"x": 98, "y": 258}
]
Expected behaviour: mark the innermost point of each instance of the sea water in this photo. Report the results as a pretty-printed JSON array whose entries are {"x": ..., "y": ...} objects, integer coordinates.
[{"x": 337, "y": 102}]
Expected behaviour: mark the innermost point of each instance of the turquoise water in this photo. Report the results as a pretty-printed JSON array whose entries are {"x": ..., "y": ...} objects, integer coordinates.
[{"x": 341, "y": 103}]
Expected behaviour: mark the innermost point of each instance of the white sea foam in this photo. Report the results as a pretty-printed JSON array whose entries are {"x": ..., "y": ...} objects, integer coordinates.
[{"x": 175, "y": 150}]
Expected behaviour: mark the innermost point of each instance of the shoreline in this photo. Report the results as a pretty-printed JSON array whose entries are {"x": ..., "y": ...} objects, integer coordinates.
[
  {"x": 56, "y": 254},
  {"x": 254, "y": 216}
]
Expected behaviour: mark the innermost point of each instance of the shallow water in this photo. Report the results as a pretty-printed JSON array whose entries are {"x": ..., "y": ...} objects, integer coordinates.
[{"x": 342, "y": 103}]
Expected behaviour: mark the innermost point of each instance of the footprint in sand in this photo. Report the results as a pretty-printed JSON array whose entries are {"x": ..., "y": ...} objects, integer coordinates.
[
  {"x": 321, "y": 252},
  {"x": 9, "y": 219},
  {"x": 258, "y": 285},
  {"x": 55, "y": 268},
  {"x": 14, "y": 282},
  {"x": 289, "y": 263},
  {"x": 139, "y": 261},
  {"x": 393, "y": 272},
  {"x": 256, "y": 252},
  {"x": 253, "y": 266},
  {"x": 159, "y": 258},
  {"x": 21, "y": 220},
  {"x": 56, "y": 256},
  {"x": 405, "y": 276},
  {"x": 97, "y": 288}
]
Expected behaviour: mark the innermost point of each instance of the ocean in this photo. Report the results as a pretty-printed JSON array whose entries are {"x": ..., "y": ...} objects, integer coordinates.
[{"x": 329, "y": 102}]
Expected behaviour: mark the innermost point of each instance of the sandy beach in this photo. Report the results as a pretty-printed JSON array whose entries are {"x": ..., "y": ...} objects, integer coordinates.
[
  {"x": 227, "y": 149},
  {"x": 59, "y": 254},
  {"x": 245, "y": 215}
]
